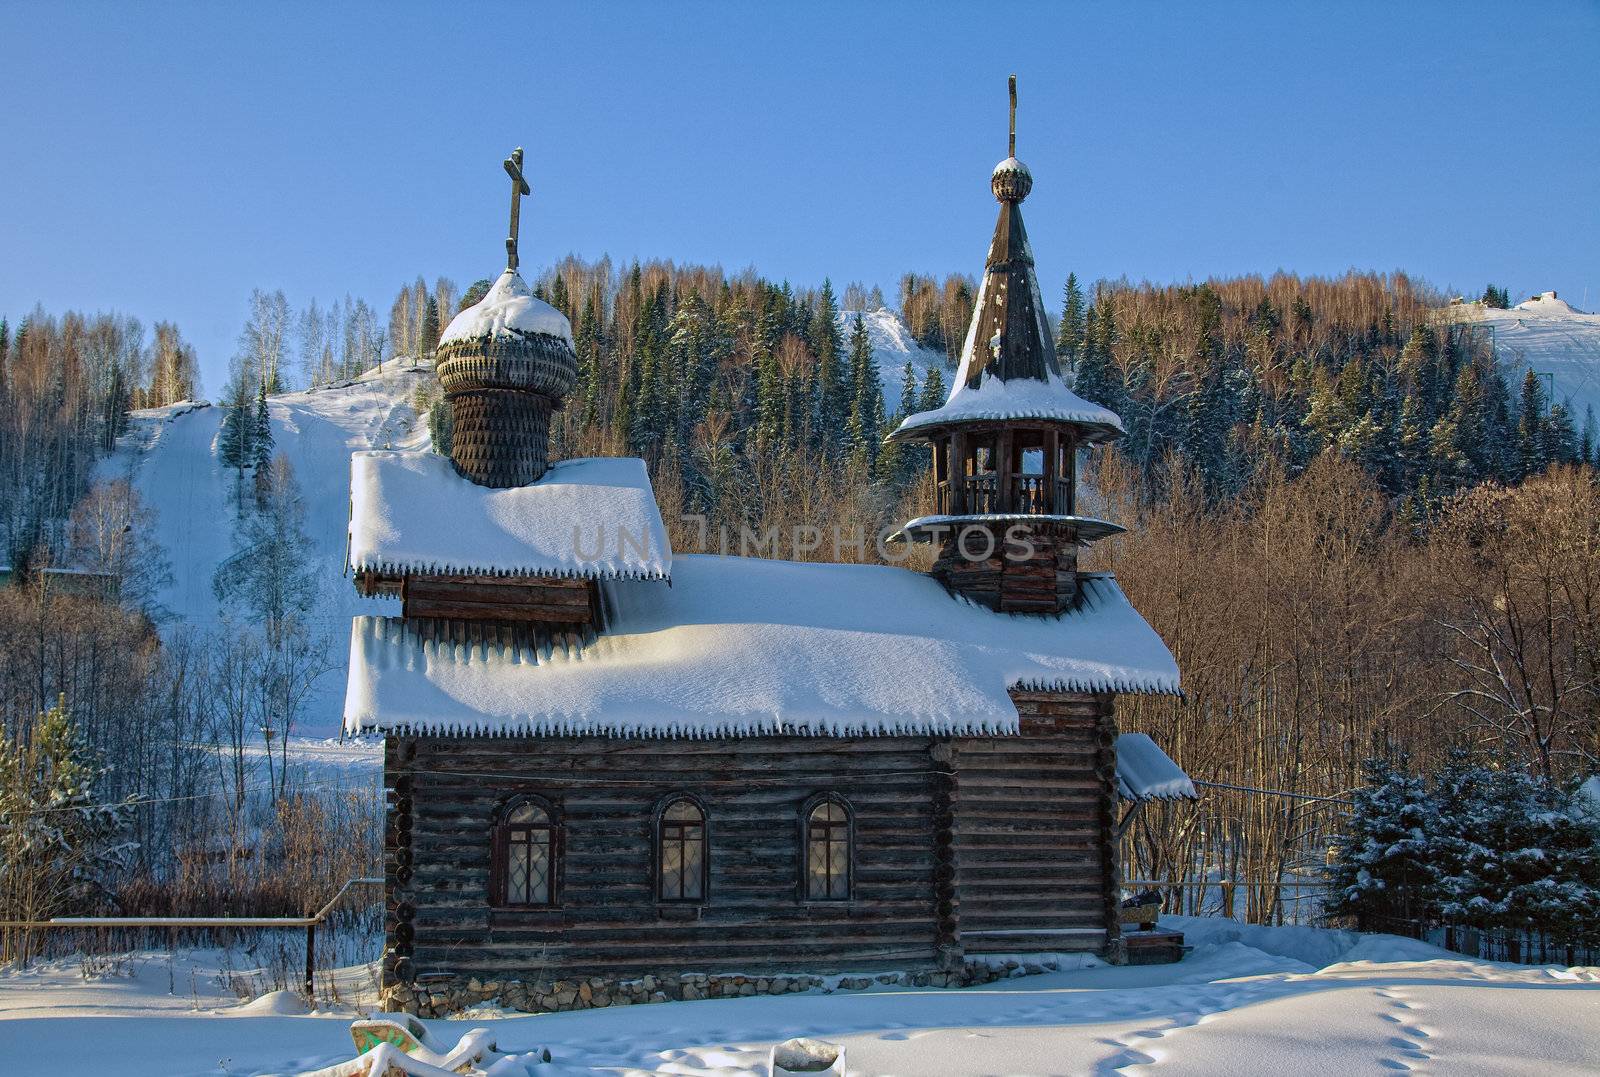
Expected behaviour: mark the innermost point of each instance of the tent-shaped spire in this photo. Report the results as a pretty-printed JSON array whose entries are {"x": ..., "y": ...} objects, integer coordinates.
[{"x": 1008, "y": 363}]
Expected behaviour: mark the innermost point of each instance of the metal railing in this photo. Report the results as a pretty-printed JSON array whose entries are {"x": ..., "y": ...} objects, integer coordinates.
[{"x": 174, "y": 923}]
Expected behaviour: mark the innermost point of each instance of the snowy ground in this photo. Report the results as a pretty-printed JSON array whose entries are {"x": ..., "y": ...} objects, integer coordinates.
[{"x": 1247, "y": 1001}]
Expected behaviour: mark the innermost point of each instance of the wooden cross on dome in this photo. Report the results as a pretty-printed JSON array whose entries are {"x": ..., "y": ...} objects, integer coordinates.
[
  {"x": 1012, "y": 150},
  {"x": 519, "y": 187}
]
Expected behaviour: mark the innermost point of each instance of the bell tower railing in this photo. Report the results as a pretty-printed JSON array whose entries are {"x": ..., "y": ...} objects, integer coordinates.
[{"x": 1023, "y": 494}]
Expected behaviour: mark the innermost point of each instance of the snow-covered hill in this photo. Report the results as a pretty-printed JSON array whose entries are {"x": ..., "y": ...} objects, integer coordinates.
[
  {"x": 170, "y": 455},
  {"x": 1552, "y": 337},
  {"x": 892, "y": 345}
]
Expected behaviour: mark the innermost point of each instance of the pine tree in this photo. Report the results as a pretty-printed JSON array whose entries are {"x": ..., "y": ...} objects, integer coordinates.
[
  {"x": 1560, "y": 439},
  {"x": 261, "y": 450},
  {"x": 475, "y": 293},
  {"x": 866, "y": 409},
  {"x": 587, "y": 344},
  {"x": 1531, "y": 446},
  {"x": 1588, "y": 449},
  {"x": 1070, "y": 329},
  {"x": 908, "y": 391},
  {"x": 933, "y": 391},
  {"x": 1469, "y": 418},
  {"x": 1412, "y": 444},
  {"x": 833, "y": 388},
  {"x": 261, "y": 431},
  {"x": 1096, "y": 377},
  {"x": 1382, "y": 874},
  {"x": 233, "y": 438},
  {"x": 429, "y": 341},
  {"x": 59, "y": 841},
  {"x": 770, "y": 400}
]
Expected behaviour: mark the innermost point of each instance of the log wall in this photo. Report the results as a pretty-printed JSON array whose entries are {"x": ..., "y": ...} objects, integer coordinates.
[
  {"x": 1036, "y": 867},
  {"x": 961, "y": 846}
]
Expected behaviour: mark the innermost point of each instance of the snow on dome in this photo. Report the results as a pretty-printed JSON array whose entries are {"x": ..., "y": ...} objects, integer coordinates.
[
  {"x": 1019, "y": 398},
  {"x": 1145, "y": 772},
  {"x": 509, "y": 308},
  {"x": 746, "y": 646},
  {"x": 595, "y": 518},
  {"x": 1011, "y": 164}
]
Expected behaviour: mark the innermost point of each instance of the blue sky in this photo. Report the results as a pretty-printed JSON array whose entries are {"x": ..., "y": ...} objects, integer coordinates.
[{"x": 163, "y": 160}]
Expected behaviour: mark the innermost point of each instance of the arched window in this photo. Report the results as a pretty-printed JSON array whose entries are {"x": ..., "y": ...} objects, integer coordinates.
[
  {"x": 525, "y": 854},
  {"x": 827, "y": 838},
  {"x": 681, "y": 863}
]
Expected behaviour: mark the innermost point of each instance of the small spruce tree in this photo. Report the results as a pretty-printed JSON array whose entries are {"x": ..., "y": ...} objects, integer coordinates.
[{"x": 1382, "y": 874}]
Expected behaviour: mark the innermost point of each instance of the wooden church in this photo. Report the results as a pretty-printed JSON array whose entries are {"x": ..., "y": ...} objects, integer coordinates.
[{"x": 616, "y": 774}]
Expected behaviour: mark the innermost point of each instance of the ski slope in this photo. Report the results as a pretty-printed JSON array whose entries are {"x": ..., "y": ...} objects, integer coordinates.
[
  {"x": 1552, "y": 337},
  {"x": 170, "y": 456}
]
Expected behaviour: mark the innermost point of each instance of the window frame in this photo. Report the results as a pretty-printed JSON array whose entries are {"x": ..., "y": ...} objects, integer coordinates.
[
  {"x": 658, "y": 828},
  {"x": 849, "y": 826},
  {"x": 500, "y": 853}
]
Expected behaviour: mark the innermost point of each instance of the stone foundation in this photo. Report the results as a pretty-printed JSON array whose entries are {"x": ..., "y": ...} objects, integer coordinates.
[{"x": 440, "y": 996}]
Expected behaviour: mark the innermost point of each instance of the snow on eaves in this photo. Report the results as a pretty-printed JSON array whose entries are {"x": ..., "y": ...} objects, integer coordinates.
[
  {"x": 509, "y": 308},
  {"x": 1019, "y": 398},
  {"x": 1090, "y": 528},
  {"x": 1145, "y": 772},
  {"x": 594, "y": 518},
  {"x": 745, "y": 646}
]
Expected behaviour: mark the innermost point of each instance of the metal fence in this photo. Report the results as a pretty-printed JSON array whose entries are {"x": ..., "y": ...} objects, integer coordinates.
[
  {"x": 1295, "y": 901},
  {"x": 209, "y": 925}
]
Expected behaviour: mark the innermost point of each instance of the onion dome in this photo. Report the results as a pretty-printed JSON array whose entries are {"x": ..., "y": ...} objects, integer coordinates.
[
  {"x": 505, "y": 365},
  {"x": 1011, "y": 181}
]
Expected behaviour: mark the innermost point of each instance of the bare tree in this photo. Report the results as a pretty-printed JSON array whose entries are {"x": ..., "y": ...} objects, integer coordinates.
[{"x": 112, "y": 531}]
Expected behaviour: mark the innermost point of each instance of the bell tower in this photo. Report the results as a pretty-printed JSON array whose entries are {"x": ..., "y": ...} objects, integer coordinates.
[{"x": 1005, "y": 442}]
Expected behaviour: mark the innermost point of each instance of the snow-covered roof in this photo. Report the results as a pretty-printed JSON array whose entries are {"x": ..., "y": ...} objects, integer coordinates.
[
  {"x": 597, "y": 518},
  {"x": 745, "y": 646},
  {"x": 1019, "y": 398},
  {"x": 1145, "y": 772},
  {"x": 509, "y": 308}
]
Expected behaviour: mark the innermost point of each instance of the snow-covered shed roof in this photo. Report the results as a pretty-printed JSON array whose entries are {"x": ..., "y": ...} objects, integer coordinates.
[
  {"x": 509, "y": 308},
  {"x": 596, "y": 518},
  {"x": 745, "y": 646},
  {"x": 1145, "y": 772}
]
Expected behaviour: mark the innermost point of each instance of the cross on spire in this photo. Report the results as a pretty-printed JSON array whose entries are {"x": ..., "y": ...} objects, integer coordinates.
[
  {"x": 519, "y": 187},
  {"x": 1012, "y": 149}
]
